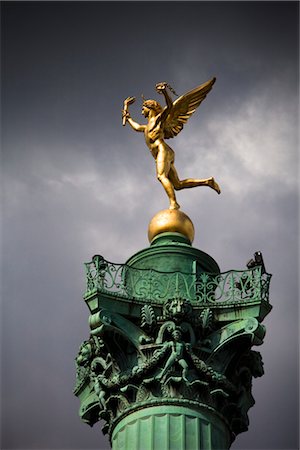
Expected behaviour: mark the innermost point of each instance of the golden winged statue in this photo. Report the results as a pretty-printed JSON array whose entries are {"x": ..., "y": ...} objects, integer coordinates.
[{"x": 165, "y": 123}]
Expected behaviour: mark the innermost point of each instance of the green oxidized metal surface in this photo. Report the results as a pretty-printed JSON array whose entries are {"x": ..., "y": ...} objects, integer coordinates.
[
  {"x": 170, "y": 427},
  {"x": 171, "y": 267},
  {"x": 172, "y": 252},
  {"x": 156, "y": 286},
  {"x": 169, "y": 362}
]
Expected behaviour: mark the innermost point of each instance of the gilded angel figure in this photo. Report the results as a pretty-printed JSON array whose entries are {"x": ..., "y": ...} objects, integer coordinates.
[{"x": 165, "y": 123}]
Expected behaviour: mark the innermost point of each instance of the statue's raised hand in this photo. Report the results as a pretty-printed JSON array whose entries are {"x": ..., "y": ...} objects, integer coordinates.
[
  {"x": 125, "y": 114},
  {"x": 129, "y": 101},
  {"x": 160, "y": 87}
]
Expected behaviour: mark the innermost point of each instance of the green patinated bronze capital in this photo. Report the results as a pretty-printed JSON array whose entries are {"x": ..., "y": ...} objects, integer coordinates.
[{"x": 169, "y": 356}]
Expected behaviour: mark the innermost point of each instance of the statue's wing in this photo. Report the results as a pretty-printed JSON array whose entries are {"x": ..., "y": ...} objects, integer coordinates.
[{"x": 184, "y": 107}]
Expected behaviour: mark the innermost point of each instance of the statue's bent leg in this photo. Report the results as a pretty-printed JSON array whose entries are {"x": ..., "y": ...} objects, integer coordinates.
[
  {"x": 171, "y": 360},
  {"x": 163, "y": 165},
  {"x": 185, "y": 367},
  {"x": 191, "y": 182}
]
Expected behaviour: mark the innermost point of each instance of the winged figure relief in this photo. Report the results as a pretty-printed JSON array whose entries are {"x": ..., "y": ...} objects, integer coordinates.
[{"x": 165, "y": 123}]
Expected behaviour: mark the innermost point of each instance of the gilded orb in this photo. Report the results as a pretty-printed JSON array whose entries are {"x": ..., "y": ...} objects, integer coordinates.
[{"x": 171, "y": 220}]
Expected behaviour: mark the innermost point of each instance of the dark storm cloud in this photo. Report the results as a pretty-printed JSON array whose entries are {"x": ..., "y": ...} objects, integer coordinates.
[{"x": 77, "y": 183}]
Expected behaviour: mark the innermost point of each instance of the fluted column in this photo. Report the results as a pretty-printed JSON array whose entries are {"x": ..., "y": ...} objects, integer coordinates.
[{"x": 168, "y": 427}]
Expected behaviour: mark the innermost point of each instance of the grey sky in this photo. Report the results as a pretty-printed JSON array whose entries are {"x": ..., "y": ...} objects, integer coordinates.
[{"x": 77, "y": 183}]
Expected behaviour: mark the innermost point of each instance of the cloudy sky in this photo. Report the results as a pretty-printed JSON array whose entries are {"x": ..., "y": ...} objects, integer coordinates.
[{"x": 77, "y": 183}]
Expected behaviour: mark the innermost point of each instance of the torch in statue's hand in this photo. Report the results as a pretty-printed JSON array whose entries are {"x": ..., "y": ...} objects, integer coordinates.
[{"x": 125, "y": 114}]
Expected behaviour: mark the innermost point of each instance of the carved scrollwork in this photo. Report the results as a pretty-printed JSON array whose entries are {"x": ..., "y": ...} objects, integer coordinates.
[
  {"x": 118, "y": 370},
  {"x": 168, "y": 326}
]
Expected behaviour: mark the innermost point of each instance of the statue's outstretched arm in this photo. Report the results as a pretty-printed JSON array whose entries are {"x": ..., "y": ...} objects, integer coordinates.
[{"x": 136, "y": 126}]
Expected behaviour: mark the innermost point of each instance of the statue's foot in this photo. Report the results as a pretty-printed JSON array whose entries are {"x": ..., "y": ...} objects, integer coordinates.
[
  {"x": 214, "y": 185},
  {"x": 174, "y": 205}
]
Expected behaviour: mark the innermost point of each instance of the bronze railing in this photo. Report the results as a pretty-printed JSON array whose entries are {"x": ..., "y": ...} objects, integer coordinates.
[{"x": 250, "y": 285}]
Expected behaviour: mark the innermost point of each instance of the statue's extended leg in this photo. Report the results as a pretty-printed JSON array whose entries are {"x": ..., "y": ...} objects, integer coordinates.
[
  {"x": 163, "y": 168},
  {"x": 184, "y": 366},
  {"x": 191, "y": 182},
  {"x": 170, "y": 361}
]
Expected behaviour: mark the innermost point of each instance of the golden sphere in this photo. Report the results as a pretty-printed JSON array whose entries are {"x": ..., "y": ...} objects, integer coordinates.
[{"x": 171, "y": 220}]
